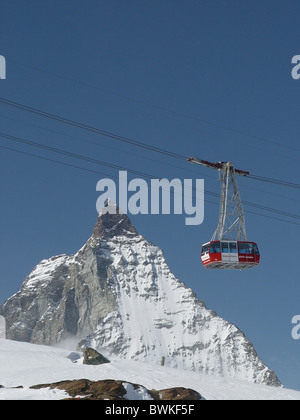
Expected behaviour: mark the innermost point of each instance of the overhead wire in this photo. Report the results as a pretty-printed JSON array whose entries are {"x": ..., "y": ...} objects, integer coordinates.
[
  {"x": 92, "y": 129},
  {"x": 101, "y": 145},
  {"x": 112, "y": 176},
  {"x": 86, "y": 169},
  {"x": 274, "y": 181},
  {"x": 127, "y": 140},
  {"x": 159, "y": 107},
  {"x": 139, "y": 156},
  {"x": 118, "y": 167}
]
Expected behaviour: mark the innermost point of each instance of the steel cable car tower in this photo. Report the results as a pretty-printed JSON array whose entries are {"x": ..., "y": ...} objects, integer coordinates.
[{"x": 229, "y": 247}]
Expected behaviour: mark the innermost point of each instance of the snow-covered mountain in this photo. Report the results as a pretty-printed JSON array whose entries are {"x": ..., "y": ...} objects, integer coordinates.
[{"x": 118, "y": 295}]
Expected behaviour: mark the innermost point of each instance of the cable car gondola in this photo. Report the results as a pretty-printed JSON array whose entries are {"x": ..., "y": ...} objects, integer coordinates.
[
  {"x": 229, "y": 247},
  {"x": 229, "y": 254}
]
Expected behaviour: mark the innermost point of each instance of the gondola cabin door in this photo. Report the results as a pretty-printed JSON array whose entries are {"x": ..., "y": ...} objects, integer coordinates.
[{"x": 229, "y": 252}]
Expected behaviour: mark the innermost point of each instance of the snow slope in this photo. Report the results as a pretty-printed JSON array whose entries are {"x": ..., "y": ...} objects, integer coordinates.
[{"x": 30, "y": 364}]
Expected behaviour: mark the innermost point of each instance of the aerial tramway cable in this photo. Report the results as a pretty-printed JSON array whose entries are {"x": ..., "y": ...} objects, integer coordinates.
[
  {"x": 139, "y": 173},
  {"x": 127, "y": 140}
]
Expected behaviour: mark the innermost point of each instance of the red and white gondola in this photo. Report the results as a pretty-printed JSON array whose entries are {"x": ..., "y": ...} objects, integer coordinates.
[{"x": 229, "y": 254}]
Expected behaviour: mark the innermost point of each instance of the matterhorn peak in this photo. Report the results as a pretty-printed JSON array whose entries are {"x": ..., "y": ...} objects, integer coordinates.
[
  {"x": 112, "y": 221},
  {"x": 110, "y": 207},
  {"x": 118, "y": 295}
]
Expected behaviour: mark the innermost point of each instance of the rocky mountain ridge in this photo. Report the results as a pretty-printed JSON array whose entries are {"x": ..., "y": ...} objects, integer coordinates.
[{"x": 117, "y": 294}]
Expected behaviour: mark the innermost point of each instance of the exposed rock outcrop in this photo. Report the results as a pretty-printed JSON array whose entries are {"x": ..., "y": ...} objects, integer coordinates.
[
  {"x": 118, "y": 391},
  {"x": 92, "y": 357}
]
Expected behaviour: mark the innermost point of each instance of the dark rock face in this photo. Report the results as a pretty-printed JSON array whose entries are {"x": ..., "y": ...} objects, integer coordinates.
[
  {"x": 110, "y": 225},
  {"x": 92, "y": 357},
  {"x": 25, "y": 311},
  {"x": 99, "y": 390},
  {"x": 118, "y": 391},
  {"x": 179, "y": 393},
  {"x": 118, "y": 294}
]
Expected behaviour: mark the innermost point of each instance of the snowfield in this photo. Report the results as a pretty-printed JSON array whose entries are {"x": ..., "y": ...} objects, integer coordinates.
[{"x": 30, "y": 364}]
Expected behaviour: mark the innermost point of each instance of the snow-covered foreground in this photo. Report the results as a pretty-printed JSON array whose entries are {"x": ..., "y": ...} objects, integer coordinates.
[{"x": 30, "y": 364}]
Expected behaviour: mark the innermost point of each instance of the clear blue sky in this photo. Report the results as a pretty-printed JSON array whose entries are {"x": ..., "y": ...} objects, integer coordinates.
[{"x": 211, "y": 79}]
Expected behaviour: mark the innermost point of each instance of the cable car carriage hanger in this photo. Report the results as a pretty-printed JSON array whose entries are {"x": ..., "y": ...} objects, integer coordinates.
[{"x": 229, "y": 247}]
